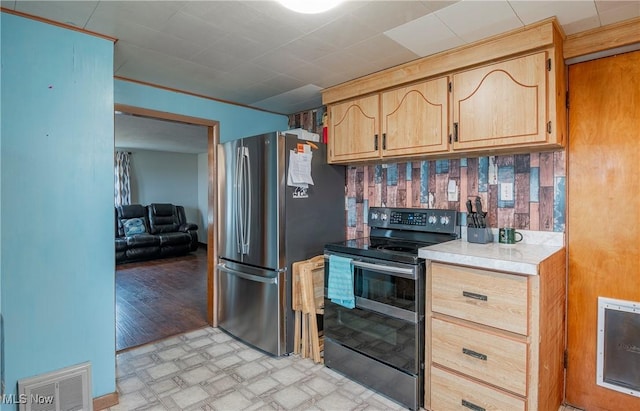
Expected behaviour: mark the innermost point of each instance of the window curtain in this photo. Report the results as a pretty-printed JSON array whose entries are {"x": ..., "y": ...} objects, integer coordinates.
[{"x": 122, "y": 178}]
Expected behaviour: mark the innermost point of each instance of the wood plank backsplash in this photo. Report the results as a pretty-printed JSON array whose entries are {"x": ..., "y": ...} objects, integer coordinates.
[{"x": 525, "y": 191}]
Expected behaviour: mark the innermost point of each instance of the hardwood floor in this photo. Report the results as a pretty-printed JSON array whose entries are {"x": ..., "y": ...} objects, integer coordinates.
[{"x": 160, "y": 298}]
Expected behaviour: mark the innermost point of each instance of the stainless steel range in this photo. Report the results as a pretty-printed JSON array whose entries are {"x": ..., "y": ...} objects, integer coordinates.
[{"x": 380, "y": 341}]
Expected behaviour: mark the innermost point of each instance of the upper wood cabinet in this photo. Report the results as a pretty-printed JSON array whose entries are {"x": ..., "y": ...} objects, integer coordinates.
[
  {"x": 507, "y": 95},
  {"x": 415, "y": 119},
  {"x": 406, "y": 121},
  {"x": 503, "y": 104},
  {"x": 354, "y": 130}
]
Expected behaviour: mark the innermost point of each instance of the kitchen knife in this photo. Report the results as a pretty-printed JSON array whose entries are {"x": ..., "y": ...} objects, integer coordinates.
[
  {"x": 471, "y": 219},
  {"x": 481, "y": 214}
]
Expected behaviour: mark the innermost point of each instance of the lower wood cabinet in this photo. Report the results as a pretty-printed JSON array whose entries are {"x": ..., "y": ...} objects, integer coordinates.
[{"x": 495, "y": 339}]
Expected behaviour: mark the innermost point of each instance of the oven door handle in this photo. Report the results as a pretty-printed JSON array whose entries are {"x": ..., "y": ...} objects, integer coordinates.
[
  {"x": 409, "y": 273},
  {"x": 388, "y": 310}
]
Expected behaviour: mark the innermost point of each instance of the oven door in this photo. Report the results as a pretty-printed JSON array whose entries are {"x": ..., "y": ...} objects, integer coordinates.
[{"x": 387, "y": 323}]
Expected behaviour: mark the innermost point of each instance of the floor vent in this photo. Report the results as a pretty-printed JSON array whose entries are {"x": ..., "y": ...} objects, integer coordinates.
[
  {"x": 68, "y": 389},
  {"x": 618, "y": 358}
]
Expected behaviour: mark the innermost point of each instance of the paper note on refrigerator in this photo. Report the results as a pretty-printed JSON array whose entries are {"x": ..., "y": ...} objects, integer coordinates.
[{"x": 299, "y": 173}]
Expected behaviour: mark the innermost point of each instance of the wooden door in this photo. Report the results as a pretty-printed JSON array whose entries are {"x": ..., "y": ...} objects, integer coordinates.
[
  {"x": 354, "y": 130},
  {"x": 603, "y": 213},
  {"x": 415, "y": 119},
  {"x": 503, "y": 104}
]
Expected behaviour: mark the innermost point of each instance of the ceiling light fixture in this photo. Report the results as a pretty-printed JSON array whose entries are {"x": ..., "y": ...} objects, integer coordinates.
[{"x": 310, "y": 6}]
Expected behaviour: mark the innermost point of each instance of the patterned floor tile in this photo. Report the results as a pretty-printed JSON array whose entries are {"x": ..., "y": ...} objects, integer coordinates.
[{"x": 207, "y": 370}]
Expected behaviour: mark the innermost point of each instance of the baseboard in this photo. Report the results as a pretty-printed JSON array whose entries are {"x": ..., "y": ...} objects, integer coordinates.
[{"x": 106, "y": 401}]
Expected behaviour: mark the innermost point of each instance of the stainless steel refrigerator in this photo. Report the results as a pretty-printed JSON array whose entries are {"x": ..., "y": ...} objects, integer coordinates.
[{"x": 264, "y": 226}]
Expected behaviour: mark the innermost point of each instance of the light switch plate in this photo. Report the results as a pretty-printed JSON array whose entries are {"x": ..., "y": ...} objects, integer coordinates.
[{"x": 506, "y": 191}]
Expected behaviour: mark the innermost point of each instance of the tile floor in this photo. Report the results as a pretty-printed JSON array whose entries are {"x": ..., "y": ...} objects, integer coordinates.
[{"x": 208, "y": 370}]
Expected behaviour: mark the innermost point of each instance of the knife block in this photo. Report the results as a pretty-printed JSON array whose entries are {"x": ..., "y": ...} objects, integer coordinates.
[{"x": 479, "y": 235}]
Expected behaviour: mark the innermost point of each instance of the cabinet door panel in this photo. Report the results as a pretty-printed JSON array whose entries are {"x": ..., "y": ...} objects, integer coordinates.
[
  {"x": 501, "y": 104},
  {"x": 415, "y": 119},
  {"x": 354, "y": 126}
]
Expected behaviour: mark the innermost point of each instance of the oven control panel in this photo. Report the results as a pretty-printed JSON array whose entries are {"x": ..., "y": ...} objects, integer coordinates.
[
  {"x": 410, "y": 218},
  {"x": 418, "y": 219}
]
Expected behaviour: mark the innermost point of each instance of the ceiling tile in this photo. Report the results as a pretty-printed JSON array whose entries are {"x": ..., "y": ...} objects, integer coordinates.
[
  {"x": 347, "y": 65},
  {"x": 345, "y": 31},
  {"x": 425, "y": 36},
  {"x": 238, "y": 46},
  {"x": 175, "y": 46},
  {"x": 8, "y": 4},
  {"x": 131, "y": 32},
  {"x": 475, "y": 20},
  {"x": 217, "y": 59},
  {"x": 310, "y": 46},
  {"x": 381, "y": 48},
  {"x": 261, "y": 91},
  {"x": 283, "y": 82},
  {"x": 75, "y": 13},
  {"x": 381, "y": 52},
  {"x": 279, "y": 59},
  {"x": 566, "y": 11},
  {"x": 581, "y": 25},
  {"x": 192, "y": 28},
  {"x": 437, "y": 5},
  {"x": 249, "y": 73},
  {"x": 614, "y": 11},
  {"x": 111, "y": 14},
  {"x": 312, "y": 73},
  {"x": 302, "y": 98},
  {"x": 385, "y": 15},
  {"x": 148, "y": 65}
]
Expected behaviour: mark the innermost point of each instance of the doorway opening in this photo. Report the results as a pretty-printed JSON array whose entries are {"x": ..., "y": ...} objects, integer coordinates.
[{"x": 201, "y": 260}]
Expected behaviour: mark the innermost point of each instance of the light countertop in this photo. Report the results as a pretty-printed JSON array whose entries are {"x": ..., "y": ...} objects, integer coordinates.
[{"x": 520, "y": 258}]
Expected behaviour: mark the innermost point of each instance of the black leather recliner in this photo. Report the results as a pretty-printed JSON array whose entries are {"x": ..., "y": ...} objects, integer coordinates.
[{"x": 153, "y": 231}]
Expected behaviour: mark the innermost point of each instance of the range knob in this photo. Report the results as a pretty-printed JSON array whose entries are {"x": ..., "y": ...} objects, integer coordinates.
[
  {"x": 374, "y": 216},
  {"x": 383, "y": 217},
  {"x": 433, "y": 219},
  {"x": 444, "y": 220}
]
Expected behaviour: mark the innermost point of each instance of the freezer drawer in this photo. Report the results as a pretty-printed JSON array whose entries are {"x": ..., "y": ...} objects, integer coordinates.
[{"x": 249, "y": 307}]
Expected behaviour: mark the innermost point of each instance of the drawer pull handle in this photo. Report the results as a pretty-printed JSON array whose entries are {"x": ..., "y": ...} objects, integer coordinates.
[
  {"x": 472, "y": 406},
  {"x": 474, "y": 354},
  {"x": 474, "y": 296}
]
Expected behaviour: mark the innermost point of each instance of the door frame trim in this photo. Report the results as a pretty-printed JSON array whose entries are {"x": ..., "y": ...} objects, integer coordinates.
[{"x": 213, "y": 135}]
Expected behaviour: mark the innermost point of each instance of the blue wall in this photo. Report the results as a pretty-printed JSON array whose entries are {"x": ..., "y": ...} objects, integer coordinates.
[
  {"x": 1, "y": 316},
  {"x": 56, "y": 195},
  {"x": 235, "y": 121},
  {"x": 56, "y": 207}
]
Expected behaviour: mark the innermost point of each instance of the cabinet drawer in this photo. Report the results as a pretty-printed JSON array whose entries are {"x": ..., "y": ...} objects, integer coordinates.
[
  {"x": 485, "y": 297},
  {"x": 451, "y": 392},
  {"x": 494, "y": 359}
]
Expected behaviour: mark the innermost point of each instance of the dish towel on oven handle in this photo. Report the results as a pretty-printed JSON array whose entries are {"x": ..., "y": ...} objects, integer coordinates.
[{"x": 340, "y": 288}]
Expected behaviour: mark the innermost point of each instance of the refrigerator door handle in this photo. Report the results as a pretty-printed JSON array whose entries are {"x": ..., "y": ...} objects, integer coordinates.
[
  {"x": 248, "y": 189},
  {"x": 246, "y": 276},
  {"x": 238, "y": 183}
]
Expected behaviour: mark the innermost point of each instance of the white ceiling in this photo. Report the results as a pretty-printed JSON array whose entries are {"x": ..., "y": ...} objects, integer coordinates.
[{"x": 259, "y": 54}]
